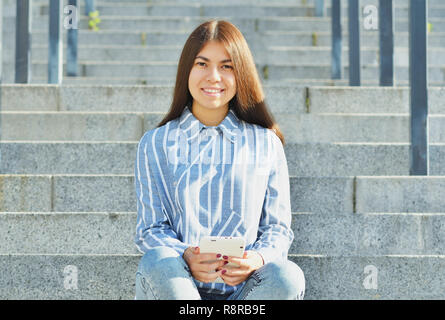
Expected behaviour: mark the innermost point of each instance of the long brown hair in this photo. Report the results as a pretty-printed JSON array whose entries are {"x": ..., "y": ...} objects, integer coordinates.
[{"x": 248, "y": 102}]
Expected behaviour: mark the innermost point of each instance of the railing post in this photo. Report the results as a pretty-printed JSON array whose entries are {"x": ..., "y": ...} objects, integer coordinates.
[
  {"x": 1, "y": 74},
  {"x": 89, "y": 7},
  {"x": 1, "y": 54},
  {"x": 1, "y": 50},
  {"x": 23, "y": 62},
  {"x": 386, "y": 39},
  {"x": 71, "y": 48},
  {"x": 354, "y": 42},
  {"x": 418, "y": 81},
  {"x": 319, "y": 8},
  {"x": 55, "y": 54},
  {"x": 336, "y": 40}
]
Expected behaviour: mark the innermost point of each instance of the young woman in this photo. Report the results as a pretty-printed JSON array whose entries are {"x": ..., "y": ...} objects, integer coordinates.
[{"x": 216, "y": 166}]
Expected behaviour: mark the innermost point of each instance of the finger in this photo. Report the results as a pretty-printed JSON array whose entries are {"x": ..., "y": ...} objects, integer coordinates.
[
  {"x": 203, "y": 257},
  {"x": 235, "y": 272},
  {"x": 222, "y": 266},
  {"x": 243, "y": 263},
  {"x": 208, "y": 256},
  {"x": 191, "y": 253},
  {"x": 206, "y": 276},
  {"x": 233, "y": 280},
  {"x": 208, "y": 267},
  {"x": 217, "y": 265}
]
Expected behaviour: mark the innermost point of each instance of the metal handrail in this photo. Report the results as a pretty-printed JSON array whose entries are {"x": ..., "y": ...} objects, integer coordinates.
[
  {"x": 418, "y": 67},
  {"x": 418, "y": 81},
  {"x": 23, "y": 42},
  {"x": 23, "y": 70}
]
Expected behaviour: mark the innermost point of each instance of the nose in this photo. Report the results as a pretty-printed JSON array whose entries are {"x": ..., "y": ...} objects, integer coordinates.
[{"x": 213, "y": 75}]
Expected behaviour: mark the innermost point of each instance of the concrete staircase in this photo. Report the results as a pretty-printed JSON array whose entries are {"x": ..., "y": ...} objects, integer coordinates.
[
  {"x": 140, "y": 42},
  {"x": 67, "y": 202}
]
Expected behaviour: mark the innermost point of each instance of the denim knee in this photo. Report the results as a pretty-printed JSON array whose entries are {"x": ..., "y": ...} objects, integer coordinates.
[
  {"x": 289, "y": 278},
  {"x": 158, "y": 260},
  {"x": 163, "y": 275}
]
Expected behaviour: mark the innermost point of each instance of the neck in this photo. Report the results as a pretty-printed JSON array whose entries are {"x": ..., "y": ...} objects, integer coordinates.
[{"x": 210, "y": 117}]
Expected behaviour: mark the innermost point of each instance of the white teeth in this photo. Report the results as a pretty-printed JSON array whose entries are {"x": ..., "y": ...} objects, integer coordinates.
[{"x": 212, "y": 91}]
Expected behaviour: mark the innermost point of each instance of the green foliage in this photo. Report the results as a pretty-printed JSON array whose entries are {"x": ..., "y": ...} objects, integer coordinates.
[{"x": 94, "y": 20}]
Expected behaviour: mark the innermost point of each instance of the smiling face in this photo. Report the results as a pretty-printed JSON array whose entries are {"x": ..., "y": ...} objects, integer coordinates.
[{"x": 212, "y": 80}]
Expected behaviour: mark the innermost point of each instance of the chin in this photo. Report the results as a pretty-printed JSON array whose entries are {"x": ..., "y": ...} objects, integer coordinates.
[{"x": 213, "y": 106}]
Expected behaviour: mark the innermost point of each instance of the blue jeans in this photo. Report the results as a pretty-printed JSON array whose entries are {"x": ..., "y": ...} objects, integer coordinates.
[{"x": 164, "y": 275}]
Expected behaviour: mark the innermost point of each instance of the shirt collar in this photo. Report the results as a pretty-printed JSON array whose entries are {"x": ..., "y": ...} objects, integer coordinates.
[{"x": 192, "y": 126}]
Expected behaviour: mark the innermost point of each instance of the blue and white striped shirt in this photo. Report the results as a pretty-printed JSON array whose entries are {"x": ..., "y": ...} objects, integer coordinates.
[{"x": 194, "y": 180}]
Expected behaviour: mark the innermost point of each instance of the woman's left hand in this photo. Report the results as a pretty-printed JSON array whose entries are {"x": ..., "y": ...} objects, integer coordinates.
[{"x": 250, "y": 262}]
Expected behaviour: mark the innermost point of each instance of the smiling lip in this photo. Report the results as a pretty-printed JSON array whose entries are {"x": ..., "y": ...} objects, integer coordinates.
[{"x": 216, "y": 91}]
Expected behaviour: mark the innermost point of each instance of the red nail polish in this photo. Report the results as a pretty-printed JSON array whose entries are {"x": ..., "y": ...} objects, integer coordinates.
[
  {"x": 224, "y": 271},
  {"x": 218, "y": 255},
  {"x": 225, "y": 257},
  {"x": 226, "y": 262}
]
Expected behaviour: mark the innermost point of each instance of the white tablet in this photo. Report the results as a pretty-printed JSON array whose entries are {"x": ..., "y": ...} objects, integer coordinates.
[{"x": 226, "y": 246}]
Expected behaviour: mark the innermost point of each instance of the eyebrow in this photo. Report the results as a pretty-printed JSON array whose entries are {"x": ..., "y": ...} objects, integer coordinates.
[{"x": 206, "y": 59}]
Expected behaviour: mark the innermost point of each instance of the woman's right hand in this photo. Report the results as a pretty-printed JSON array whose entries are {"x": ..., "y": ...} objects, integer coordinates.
[{"x": 199, "y": 264}]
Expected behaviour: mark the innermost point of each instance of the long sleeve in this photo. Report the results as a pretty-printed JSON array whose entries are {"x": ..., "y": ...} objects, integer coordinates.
[
  {"x": 274, "y": 233},
  {"x": 153, "y": 224}
]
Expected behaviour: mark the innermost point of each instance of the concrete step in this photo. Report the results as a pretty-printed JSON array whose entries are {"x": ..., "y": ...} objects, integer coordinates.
[
  {"x": 323, "y": 71},
  {"x": 234, "y": 10},
  {"x": 195, "y": 10},
  {"x": 125, "y": 81},
  {"x": 256, "y": 40},
  {"x": 342, "y": 159},
  {"x": 330, "y": 195},
  {"x": 368, "y": 100},
  {"x": 395, "y": 277},
  {"x": 171, "y": 81},
  {"x": 68, "y": 233},
  {"x": 121, "y": 37},
  {"x": 297, "y": 128},
  {"x": 317, "y": 38},
  {"x": 46, "y": 277},
  {"x": 282, "y": 71},
  {"x": 366, "y": 234},
  {"x": 307, "y": 159},
  {"x": 268, "y": 55},
  {"x": 113, "y": 53},
  {"x": 280, "y": 98},
  {"x": 249, "y": 24},
  {"x": 112, "y": 277},
  {"x": 397, "y": 3},
  {"x": 336, "y": 128},
  {"x": 69, "y": 126},
  {"x": 120, "y": 98},
  {"x": 368, "y": 55}
]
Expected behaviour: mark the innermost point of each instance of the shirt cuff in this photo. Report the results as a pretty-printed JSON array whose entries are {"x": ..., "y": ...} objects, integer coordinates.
[{"x": 268, "y": 254}]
